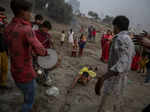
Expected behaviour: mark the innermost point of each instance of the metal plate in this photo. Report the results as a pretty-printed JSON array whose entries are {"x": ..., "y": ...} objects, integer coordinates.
[{"x": 50, "y": 61}]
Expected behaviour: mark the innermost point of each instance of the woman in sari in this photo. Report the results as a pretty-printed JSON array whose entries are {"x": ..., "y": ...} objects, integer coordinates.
[
  {"x": 136, "y": 59},
  {"x": 105, "y": 43}
]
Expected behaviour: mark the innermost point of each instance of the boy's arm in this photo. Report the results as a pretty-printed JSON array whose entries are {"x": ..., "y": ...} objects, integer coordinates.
[
  {"x": 36, "y": 45},
  {"x": 51, "y": 43}
]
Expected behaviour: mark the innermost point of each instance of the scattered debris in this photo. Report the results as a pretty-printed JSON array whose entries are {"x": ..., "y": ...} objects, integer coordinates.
[{"x": 53, "y": 91}]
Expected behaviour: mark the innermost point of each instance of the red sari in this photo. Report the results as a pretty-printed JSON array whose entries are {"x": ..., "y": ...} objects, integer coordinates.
[
  {"x": 105, "y": 43},
  {"x": 135, "y": 63}
]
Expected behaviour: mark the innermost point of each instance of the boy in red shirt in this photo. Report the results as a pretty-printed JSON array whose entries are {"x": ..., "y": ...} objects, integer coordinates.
[
  {"x": 44, "y": 37},
  {"x": 43, "y": 34},
  {"x": 21, "y": 42}
]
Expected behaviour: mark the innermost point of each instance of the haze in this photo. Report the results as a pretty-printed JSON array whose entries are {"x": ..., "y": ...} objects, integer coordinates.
[{"x": 137, "y": 10}]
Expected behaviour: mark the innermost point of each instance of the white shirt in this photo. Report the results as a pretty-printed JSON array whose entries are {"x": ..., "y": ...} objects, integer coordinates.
[
  {"x": 35, "y": 27},
  {"x": 63, "y": 37},
  {"x": 71, "y": 40},
  {"x": 121, "y": 53}
]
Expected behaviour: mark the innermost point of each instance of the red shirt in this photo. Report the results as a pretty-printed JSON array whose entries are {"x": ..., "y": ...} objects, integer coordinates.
[
  {"x": 21, "y": 41},
  {"x": 107, "y": 36},
  {"x": 44, "y": 38},
  {"x": 94, "y": 33}
]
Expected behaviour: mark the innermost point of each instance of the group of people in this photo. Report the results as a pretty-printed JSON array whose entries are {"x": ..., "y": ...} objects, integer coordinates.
[
  {"x": 124, "y": 54},
  {"x": 22, "y": 40},
  {"x": 91, "y": 33},
  {"x": 140, "y": 60},
  {"x": 75, "y": 45}
]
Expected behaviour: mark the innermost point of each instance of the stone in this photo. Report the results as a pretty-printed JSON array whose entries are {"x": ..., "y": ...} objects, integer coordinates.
[{"x": 53, "y": 91}]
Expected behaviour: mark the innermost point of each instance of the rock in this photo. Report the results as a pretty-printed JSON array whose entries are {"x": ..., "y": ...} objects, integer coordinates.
[{"x": 53, "y": 91}]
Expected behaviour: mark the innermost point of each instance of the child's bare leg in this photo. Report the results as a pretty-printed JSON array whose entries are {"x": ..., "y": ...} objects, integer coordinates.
[
  {"x": 89, "y": 78},
  {"x": 141, "y": 69},
  {"x": 72, "y": 54},
  {"x": 76, "y": 80},
  {"x": 75, "y": 54},
  {"x": 144, "y": 69}
]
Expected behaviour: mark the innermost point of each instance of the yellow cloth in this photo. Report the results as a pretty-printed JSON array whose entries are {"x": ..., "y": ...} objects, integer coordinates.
[
  {"x": 143, "y": 62},
  {"x": 3, "y": 68},
  {"x": 90, "y": 72}
]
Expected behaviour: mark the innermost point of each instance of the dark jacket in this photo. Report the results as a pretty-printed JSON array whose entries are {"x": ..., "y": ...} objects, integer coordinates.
[{"x": 3, "y": 45}]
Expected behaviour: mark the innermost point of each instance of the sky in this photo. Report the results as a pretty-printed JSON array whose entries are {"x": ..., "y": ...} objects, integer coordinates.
[{"x": 137, "y": 10}]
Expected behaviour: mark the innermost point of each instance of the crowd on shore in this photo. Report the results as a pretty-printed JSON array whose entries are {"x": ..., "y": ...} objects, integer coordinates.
[{"x": 23, "y": 41}]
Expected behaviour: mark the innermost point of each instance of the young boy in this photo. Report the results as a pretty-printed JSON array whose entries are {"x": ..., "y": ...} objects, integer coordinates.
[
  {"x": 75, "y": 48},
  {"x": 114, "y": 80},
  {"x": 82, "y": 44},
  {"x": 38, "y": 21},
  {"x": 144, "y": 60},
  {"x": 85, "y": 75},
  {"x": 21, "y": 42},
  {"x": 3, "y": 59},
  {"x": 43, "y": 35},
  {"x": 62, "y": 38}
]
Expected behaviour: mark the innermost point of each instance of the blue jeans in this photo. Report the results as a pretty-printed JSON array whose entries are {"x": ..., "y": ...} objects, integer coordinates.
[
  {"x": 147, "y": 80},
  {"x": 28, "y": 90}
]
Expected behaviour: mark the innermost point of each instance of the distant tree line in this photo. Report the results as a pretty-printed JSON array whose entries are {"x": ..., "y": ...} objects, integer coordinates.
[
  {"x": 108, "y": 19},
  {"x": 94, "y": 15}
]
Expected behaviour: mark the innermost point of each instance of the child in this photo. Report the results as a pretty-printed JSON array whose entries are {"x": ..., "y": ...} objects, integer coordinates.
[
  {"x": 38, "y": 21},
  {"x": 75, "y": 48},
  {"x": 3, "y": 59},
  {"x": 144, "y": 60},
  {"x": 85, "y": 75},
  {"x": 62, "y": 38},
  {"x": 82, "y": 43},
  {"x": 43, "y": 35}
]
